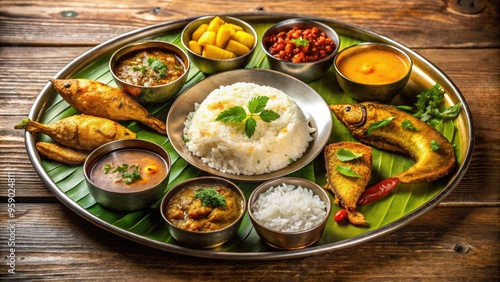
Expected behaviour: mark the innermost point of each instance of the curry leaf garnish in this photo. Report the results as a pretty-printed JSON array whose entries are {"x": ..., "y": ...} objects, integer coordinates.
[
  {"x": 234, "y": 114},
  {"x": 451, "y": 112},
  {"x": 129, "y": 173},
  {"x": 346, "y": 155},
  {"x": 250, "y": 125},
  {"x": 379, "y": 124},
  {"x": 268, "y": 115},
  {"x": 210, "y": 198},
  {"x": 406, "y": 124},
  {"x": 434, "y": 145},
  {"x": 300, "y": 41},
  {"x": 347, "y": 171},
  {"x": 256, "y": 106}
]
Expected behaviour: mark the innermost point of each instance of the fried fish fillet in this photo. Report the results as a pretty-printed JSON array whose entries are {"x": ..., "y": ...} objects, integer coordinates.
[
  {"x": 61, "y": 154},
  {"x": 82, "y": 132},
  {"x": 417, "y": 142},
  {"x": 98, "y": 99},
  {"x": 348, "y": 189}
]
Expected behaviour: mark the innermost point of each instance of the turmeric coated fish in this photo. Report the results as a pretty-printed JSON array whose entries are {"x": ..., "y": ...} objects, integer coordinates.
[
  {"x": 83, "y": 132},
  {"x": 98, "y": 99},
  {"x": 61, "y": 154},
  {"x": 433, "y": 153},
  {"x": 348, "y": 189}
]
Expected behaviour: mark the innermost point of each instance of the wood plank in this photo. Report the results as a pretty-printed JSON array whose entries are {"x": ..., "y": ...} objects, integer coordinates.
[
  {"x": 20, "y": 86},
  {"x": 433, "y": 23},
  {"x": 54, "y": 243}
]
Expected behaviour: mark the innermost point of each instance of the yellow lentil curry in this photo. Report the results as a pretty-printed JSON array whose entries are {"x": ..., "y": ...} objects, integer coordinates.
[{"x": 373, "y": 66}]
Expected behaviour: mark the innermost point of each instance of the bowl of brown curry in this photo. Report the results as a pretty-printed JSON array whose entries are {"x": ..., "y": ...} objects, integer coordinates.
[
  {"x": 203, "y": 212},
  {"x": 150, "y": 71},
  {"x": 128, "y": 174}
]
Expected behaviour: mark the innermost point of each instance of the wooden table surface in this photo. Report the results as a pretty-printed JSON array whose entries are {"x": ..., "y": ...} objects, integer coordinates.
[{"x": 458, "y": 240}]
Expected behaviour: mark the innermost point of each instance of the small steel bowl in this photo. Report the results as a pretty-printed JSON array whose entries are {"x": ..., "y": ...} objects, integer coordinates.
[
  {"x": 151, "y": 94},
  {"x": 308, "y": 71},
  {"x": 294, "y": 239},
  {"x": 371, "y": 92},
  {"x": 211, "y": 66},
  {"x": 126, "y": 200},
  {"x": 203, "y": 239}
]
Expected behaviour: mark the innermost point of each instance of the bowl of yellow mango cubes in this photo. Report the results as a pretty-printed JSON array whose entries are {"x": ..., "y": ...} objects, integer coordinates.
[{"x": 216, "y": 43}]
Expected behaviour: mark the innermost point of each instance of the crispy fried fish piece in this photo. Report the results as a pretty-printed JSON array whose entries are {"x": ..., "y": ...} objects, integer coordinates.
[
  {"x": 347, "y": 189},
  {"x": 430, "y": 164},
  {"x": 81, "y": 132},
  {"x": 61, "y": 154},
  {"x": 98, "y": 99}
]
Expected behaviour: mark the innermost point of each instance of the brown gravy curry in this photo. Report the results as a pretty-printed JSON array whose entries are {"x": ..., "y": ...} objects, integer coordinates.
[
  {"x": 128, "y": 170},
  {"x": 150, "y": 67},
  {"x": 188, "y": 213}
]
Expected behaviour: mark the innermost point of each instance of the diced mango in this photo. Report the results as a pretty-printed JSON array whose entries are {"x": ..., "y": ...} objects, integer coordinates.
[
  {"x": 214, "y": 52},
  {"x": 244, "y": 38},
  {"x": 208, "y": 37},
  {"x": 237, "y": 48},
  {"x": 230, "y": 27},
  {"x": 222, "y": 36},
  {"x": 195, "y": 47},
  {"x": 215, "y": 23},
  {"x": 199, "y": 31},
  {"x": 235, "y": 26}
]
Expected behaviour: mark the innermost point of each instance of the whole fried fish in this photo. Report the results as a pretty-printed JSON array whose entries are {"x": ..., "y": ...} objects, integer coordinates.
[
  {"x": 348, "y": 189},
  {"x": 416, "y": 141},
  {"x": 61, "y": 154},
  {"x": 82, "y": 132},
  {"x": 98, "y": 99}
]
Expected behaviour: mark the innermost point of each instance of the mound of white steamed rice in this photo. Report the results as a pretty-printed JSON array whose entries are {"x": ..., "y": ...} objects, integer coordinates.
[
  {"x": 225, "y": 146},
  {"x": 288, "y": 208}
]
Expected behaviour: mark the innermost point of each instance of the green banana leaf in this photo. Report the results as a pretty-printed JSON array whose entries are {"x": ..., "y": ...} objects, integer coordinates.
[{"x": 148, "y": 222}]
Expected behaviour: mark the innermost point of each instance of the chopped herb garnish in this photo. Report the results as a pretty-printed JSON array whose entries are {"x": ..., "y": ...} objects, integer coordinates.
[
  {"x": 428, "y": 103},
  {"x": 379, "y": 124},
  {"x": 406, "y": 124},
  {"x": 345, "y": 155},
  {"x": 107, "y": 168},
  {"x": 210, "y": 198},
  {"x": 129, "y": 173},
  {"x": 300, "y": 41},
  {"x": 434, "y": 145},
  {"x": 256, "y": 106},
  {"x": 347, "y": 171},
  {"x": 157, "y": 66}
]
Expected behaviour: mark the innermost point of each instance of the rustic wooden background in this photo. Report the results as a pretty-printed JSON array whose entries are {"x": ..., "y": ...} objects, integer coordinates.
[{"x": 459, "y": 240}]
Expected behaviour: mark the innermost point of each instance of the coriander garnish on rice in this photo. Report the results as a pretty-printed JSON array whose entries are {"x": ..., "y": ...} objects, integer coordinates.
[{"x": 256, "y": 106}]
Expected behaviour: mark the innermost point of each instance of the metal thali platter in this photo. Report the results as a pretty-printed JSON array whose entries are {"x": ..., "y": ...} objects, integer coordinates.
[{"x": 64, "y": 182}]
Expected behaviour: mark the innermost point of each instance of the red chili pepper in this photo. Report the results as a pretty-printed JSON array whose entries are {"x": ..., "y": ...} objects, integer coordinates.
[
  {"x": 340, "y": 215},
  {"x": 378, "y": 190}
]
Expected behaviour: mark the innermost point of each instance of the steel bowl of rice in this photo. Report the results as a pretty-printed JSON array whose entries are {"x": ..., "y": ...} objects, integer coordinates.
[{"x": 289, "y": 213}]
